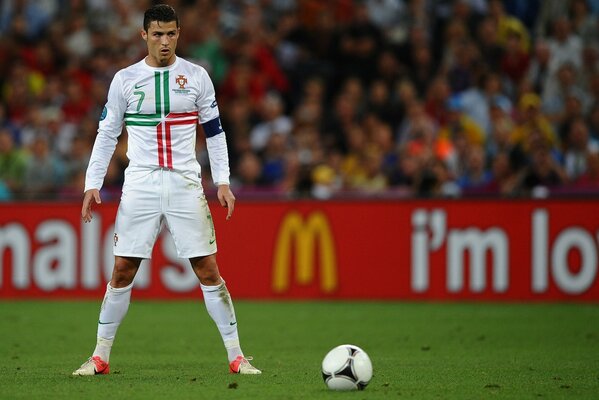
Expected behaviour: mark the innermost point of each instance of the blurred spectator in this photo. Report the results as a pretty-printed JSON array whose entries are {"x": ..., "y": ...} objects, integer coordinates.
[
  {"x": 379, "y": 102},
  {"x": 437, "y": 97},
  {"x": 381, "y": 137},
  {"x": 593, "y": 121},
  {"x": 424, "y": 69},
  {"x": 532, "y": 123},
  {"x": 249, "y": 172},
  {"x": 405, "y": 173},
  {"x": 6, "y": 123},
  {"x": 44, "y": 172},
  {"x": 20, "y": 89},
  {"x": 273, "y": 122},
  {"x": 369, "y": 179},
  {"x": 538, "y": 70},
  {"x": 327, "y": 178},
  {"x": 525, "y": 11},
  {"x": 564, "y": 45},
  {"x": 500, "y": 140},
  {"x": 465, "y": 70},
  {"x": 79, "y": 38},
  {"x": 505, "y": 177},
  {"x": 549, "y": 11},
  {"x": 237, "y": 120},
  {"x": 340, "y": 119},
  {"x": 274, "y": 166},
  {"x": 387, "y": 16},
  {"x": 307, "y": 146},
  {"x": 543, "y": 173},
  {"x": 352, "y": 167},
  {"x": 508, "y": 25},
  {"x": 310, "y": 106},
  {"x": 206, "y": 47},
  {"x": 476, "y": 101},
  {"x": 404, "y": 95},
  {"x": 77, "y": 158},
  {"x": 254, "y": 72},
  {"x": 27, "y": 17},
  {"x": 360, "y": 43},
  {"x": 389, "y": 69},
  {"x": 326, "y": 182},
  {"x": 590, "y": 179},
  {"x": 584, "y": 23},
  {"x": 76, "y": 105},
  {"x": 73, "y": 188},
  {"x": 13, "y": 163},
  {"x": 435, "y": 180},
  {"x": 560, "y": 93},
  {"x": 515, "y": 60},
  {"x": 33, "y": 125},
  {"x": 488, "y": 43},
  {"x": 578, "y": 145},
  {"x": 417, "y": 129},
  {"x": 459, "y": 124},
  {"x": 475, "y": 174}
]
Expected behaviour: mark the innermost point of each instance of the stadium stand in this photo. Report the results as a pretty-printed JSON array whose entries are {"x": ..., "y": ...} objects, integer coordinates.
[{"x": 371, "y": 98}]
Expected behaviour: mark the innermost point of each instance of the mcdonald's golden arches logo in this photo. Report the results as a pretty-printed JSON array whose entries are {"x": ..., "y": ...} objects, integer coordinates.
[{"x": 305, "y": 235}]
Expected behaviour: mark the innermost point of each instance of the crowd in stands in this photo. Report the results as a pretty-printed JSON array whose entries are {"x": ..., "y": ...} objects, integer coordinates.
[{"x": 386, "y": 98}]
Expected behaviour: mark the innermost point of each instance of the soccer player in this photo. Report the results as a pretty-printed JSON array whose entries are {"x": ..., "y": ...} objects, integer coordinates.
[{"x": 160, "y": 100}]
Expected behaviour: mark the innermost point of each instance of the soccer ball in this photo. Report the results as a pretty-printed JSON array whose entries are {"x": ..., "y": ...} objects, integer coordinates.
[{"x": 346, "y": 367}]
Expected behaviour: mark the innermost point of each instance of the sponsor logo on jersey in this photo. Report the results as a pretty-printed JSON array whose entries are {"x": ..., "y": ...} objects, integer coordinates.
[
  {"x": 104, "y": 113},
  {"x": 214, "y": 104},
  {"x": 116, "y": 239}
]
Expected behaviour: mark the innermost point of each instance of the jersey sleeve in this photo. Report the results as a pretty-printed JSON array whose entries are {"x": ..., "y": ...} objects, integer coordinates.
[
  {"x": 109, "y": 129},
  {"x": 216, "y": 141}
]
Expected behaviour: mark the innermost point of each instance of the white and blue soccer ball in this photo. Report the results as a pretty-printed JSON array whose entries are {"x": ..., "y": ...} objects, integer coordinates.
[{"x": 346, "y": 367}]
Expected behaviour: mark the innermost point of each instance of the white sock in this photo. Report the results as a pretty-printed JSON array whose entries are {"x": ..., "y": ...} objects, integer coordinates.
[
  {"x": 103, "y": 347},
  {"x": 113, "y": 310},
  {"x": 220, "y": 307}
]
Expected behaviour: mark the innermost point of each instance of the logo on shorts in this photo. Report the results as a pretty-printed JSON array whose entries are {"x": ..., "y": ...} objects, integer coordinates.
[
  {"x": 181, "y": 81},
  {"x": 116, "y": 239}
]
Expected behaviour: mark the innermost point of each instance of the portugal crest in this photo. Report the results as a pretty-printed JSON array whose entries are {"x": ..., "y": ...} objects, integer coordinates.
[{"x": 181, "y": 81}]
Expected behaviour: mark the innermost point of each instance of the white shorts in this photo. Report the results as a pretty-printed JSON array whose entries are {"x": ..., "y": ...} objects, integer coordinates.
[{"x": 153, "y": 197}]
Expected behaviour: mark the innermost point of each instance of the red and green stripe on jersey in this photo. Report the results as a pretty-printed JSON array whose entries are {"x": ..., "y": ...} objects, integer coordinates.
[{"x": 163, "y": 119}]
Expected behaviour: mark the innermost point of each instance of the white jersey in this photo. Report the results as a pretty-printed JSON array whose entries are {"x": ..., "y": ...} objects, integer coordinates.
[{"x": 160, "y": 108}]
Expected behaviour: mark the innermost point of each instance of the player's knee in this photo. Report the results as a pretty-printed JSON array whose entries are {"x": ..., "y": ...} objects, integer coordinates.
[
  {"x": 209, "y": 275},
  {"x": 210, "y": 278},
  {"x": 123, "y": 274},
  {"x": 206, "y": 270}
]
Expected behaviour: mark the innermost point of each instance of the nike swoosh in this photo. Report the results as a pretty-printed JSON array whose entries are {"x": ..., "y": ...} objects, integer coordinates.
[
  {"x": 137, "y": 86},
  {"x": 212, "y": 241},
  {"x": 232, "y": 323},
  {"x": 105, "y": 323}
]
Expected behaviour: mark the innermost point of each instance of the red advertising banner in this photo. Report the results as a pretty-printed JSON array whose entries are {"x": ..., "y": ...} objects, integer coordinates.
[{"x": 428, "y": 250}]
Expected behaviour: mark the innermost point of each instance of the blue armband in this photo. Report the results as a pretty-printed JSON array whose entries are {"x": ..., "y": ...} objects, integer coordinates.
[{"x": 212, "y": 127}]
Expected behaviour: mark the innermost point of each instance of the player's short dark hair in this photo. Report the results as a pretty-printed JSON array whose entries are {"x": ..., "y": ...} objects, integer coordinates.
[{"x": 160, "y": 13}]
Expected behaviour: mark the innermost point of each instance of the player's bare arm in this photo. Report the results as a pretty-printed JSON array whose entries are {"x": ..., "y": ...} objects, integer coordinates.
[
  {"x": 86, "y": 209},
  {"x": 226, "y": 199}
]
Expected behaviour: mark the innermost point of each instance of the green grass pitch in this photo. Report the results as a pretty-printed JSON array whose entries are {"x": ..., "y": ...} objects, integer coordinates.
[{"x": 171, "y": 350}]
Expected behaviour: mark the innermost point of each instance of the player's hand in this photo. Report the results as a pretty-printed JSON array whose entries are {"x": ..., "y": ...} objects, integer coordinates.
[
  {"x": 86, "y": 210},
  {"x": 226, "y": 199}
]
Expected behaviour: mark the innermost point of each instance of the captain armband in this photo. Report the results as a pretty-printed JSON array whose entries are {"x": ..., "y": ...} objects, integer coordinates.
[{"x": 212, "y": 127}]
